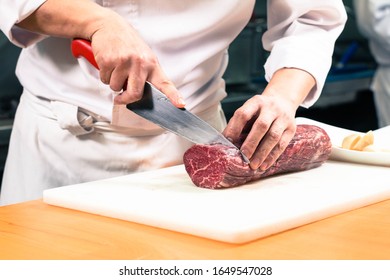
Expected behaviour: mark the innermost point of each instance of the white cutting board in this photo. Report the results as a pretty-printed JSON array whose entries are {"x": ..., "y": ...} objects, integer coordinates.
[{"x": 166, "y": 198}]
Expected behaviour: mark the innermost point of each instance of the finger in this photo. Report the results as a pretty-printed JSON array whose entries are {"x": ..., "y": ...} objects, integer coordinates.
[
  {"x": 115, "y": 76},
  {"x": 271, "y": 146},
  {"x": 133, "y": 78},
  {"x": 279, "y": 148},
  {"x": 238, "y": 123},
  {"x": 134, "y": 90},
  {"x": 166, "y": 86},
  {"x": 106, "y": 66},
  {"x": 105, "y": 76},
  {"x": 119, "y": 78},
  {"x": 256, "y": 145}
]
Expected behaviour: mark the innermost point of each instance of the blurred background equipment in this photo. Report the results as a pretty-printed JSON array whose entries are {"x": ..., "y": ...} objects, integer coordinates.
[{"x": 10, "y": 91}]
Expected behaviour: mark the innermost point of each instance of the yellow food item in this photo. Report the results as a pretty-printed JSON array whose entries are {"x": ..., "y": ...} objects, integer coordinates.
[
  {"x": 359, "y": 142},
  {"x": 364, "y": 141},
  {"x": 350, "y": 141}
]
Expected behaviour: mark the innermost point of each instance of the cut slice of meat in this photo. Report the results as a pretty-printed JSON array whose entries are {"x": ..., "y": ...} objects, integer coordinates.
[{"x": 218, "y": 166}]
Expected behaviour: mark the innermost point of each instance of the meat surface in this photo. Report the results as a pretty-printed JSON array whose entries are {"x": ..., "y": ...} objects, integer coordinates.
[{"x": 218, "y": 166}]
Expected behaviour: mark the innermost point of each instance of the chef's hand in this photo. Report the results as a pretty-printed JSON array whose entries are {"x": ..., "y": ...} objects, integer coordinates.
[
  {"x": 265, "y": 124},
  {"x": 127, "y": 62}
]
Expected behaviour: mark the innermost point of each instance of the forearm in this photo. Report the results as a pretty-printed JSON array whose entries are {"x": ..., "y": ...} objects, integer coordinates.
[
  {"x": 303, "y": 37},
  {"x": 292, "y": 84},
  {"x": 123, "y": 58},
  {"x": 70, "y": 19}
]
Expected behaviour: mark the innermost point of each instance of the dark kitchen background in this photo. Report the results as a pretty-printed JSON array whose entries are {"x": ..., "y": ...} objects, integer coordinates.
[{"x": 346, "y": 100}]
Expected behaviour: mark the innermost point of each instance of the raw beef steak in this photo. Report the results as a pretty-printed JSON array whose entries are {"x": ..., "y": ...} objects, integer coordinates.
[{"x": 218, "y": 166}]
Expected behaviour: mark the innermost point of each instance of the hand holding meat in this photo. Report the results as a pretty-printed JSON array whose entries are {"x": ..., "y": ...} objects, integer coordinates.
[{"x": 265, "y": 124}]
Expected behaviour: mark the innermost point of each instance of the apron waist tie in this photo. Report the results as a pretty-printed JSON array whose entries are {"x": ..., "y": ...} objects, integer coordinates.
[
  {"x": 69, "y": 117},
  {"x": 79, "y": 121}
]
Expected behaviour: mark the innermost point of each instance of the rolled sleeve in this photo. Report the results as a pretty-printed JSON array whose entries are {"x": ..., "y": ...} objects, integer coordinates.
[
  {"x": 13, "y": 12},
  {"x": 303, "y": 36}
]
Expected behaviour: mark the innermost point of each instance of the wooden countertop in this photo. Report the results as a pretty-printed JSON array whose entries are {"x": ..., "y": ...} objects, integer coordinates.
[{"x": 35, "y": 230}]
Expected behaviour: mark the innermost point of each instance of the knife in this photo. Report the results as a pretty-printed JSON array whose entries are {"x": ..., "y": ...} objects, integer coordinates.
[{"x": 157, "y": 108}]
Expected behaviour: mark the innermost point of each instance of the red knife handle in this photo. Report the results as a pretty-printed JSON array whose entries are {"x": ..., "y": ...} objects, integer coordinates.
[{"x": 83, "y": 48}]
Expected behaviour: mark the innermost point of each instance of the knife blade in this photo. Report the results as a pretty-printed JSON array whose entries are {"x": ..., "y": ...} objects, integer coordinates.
[{"x": 157, "y": 108}]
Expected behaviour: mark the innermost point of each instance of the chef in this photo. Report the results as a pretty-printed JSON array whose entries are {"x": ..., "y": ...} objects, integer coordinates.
[
  {"x": 373, "y": 20},
  {"x": 72, "y": 125}
]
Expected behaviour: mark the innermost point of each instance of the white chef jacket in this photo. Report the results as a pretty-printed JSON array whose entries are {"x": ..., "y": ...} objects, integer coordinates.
[
  {"x": 373, "y": 18},
  {"x": 190, "y": 39}
]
